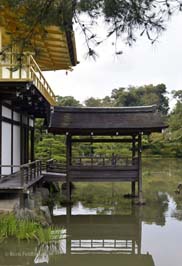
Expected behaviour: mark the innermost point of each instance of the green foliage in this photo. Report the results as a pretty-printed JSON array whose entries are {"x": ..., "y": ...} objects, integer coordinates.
[
  {"x": 126, "y": 19},
  {"x": 93, "y": 102},
  {"x": 134, "y": 96},
  {"x": 168, "y": 144},
  {"x": 51, "y": 147},
  {"x": 144, "y": 95},
  {"x": 23, "y": 230},
  {"x": 67, "y": 101}
]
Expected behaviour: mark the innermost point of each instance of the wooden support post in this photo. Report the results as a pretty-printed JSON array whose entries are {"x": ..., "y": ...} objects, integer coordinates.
[
  {"x": 0, "y": 39},
  {"x": 1, "y": 72},
  {"x": 21, "y": 140},
  {"x": 32, "y": 144},
  {"x": 0, "y": 138},
  {"x": 27, "y": 139},
  {"x": 133, "y": 187},
  {"x": 68, "y": 164},
  {"x": 140, "y": 192}
]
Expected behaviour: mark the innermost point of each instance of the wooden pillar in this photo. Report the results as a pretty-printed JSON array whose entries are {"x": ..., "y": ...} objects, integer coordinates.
[
  {"x": 68, "y": 164},
  {"x": 32, "y": 144},
  {"x": 140, "y": 193},
  {"x": 0, "y": 39},
  {"x": 0, "y": 137},
  {"x": 0, "y": 51},
  {"x": 133, "y": 187},
  {"x": 12, "y": 138},
  {"x": 21, "y": 140},
  {"x": 27, "y": 140}
]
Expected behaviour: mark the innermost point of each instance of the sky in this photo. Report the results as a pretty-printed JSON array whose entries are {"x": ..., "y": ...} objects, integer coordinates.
[{"x": 141, "y": 64}]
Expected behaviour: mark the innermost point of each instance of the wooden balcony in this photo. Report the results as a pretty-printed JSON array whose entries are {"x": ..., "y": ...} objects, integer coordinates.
[{"x": 15, "y": 68}]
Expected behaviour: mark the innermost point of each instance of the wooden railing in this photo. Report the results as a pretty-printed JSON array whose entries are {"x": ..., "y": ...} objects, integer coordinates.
[
  {"x": 30, "y": 172},
  {"x": 113, "y": 161},
  {"x": 14, "y": 67},
  {"x": 54, "y": 166},
  {"x": 91, "y": 161},
  {"x": 27, "y": 173}
]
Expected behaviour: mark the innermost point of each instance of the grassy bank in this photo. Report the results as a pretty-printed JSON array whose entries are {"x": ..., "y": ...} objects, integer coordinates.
[{"x": 23, "y": 230}]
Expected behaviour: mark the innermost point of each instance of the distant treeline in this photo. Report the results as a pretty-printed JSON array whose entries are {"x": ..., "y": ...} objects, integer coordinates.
[{"x": 168, "y": 144}]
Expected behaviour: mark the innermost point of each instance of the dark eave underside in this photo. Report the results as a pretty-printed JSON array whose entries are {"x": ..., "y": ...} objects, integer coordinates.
[
  {"x": 25, "y": 97},
  {"x": 103, "y": 121}
]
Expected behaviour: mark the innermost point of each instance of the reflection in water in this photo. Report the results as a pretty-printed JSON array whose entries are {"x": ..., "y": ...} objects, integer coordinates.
[
  {"x": 103, "y": 229},
  {"x": 102, "y": 239},
  {"x": 91, "y": 239}
]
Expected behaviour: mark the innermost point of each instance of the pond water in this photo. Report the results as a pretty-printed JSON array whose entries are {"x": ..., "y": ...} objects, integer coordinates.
[{"x": 103, "y": 228}]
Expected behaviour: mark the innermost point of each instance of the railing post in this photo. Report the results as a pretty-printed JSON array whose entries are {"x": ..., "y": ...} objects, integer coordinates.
[
  {"x": 36, "y": 169},
  {"x": 40, "y": 167},
  {"x": 27, "y": 177},
  {"x": 92, "y": 160},
  {"x": 22, "y": 176},
  {"x": 31, "y": 171},
  {"x": 28, "y": 66}
]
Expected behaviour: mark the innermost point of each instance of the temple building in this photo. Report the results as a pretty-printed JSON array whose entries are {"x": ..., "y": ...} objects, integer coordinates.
[
  {"x": 26, "y": 95},
  {"x": 24, "y": 92}
]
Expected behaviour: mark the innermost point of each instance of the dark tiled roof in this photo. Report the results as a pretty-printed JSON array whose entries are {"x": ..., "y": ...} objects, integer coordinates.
[{"x": 98, "y": 120}]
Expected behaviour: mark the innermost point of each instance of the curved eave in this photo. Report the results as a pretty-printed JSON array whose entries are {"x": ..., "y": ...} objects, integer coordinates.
[
  {"x": 55, "y": 48},
  {"x": 103, "y": 121}
]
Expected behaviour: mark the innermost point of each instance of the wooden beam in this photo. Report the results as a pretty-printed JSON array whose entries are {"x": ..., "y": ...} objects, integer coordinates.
[
  {"x": 125, "y": 140},
  {"x": 56, "y": 47},
  {"x": 45, "y": 60}
]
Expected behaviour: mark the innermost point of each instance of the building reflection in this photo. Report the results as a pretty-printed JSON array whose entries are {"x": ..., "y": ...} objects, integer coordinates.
[
  {"x": 103, "y": 239},
  {"x": 91, "y": 240}
]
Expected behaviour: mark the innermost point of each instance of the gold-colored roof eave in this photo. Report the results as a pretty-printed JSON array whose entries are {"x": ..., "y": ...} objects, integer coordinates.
[{"x": 55, "y": 49}]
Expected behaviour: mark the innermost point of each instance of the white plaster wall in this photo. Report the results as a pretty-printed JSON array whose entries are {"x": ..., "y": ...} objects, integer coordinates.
[
  {"x": 6, "y": 112},
  {"x": 6, "y": 147},
  {"x": 16, "y": 147},
  {"x": 31, "y": 122}
]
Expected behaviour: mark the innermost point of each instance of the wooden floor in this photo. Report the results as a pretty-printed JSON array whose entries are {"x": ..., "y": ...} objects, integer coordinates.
[
  {"x": 92, "y": 176},
  {"x": 75, "y": 174},
  {"x": 13, "y": 183}
]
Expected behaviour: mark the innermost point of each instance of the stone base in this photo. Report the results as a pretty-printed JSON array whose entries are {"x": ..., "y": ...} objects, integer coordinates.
[{"x": 8, "y": 202}]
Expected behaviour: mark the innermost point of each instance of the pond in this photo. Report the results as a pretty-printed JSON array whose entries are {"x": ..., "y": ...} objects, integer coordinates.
[{"x": 104, "y": 228}]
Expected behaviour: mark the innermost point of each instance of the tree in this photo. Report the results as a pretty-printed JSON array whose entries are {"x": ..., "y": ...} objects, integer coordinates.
[
  {"x": 176, "y": 116},
  {"x": 67, "y": 101},
  {"x": 124, "y": 17},
  {"x": 144, "y": 95},
  {"x": 93, "y": 102}
]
